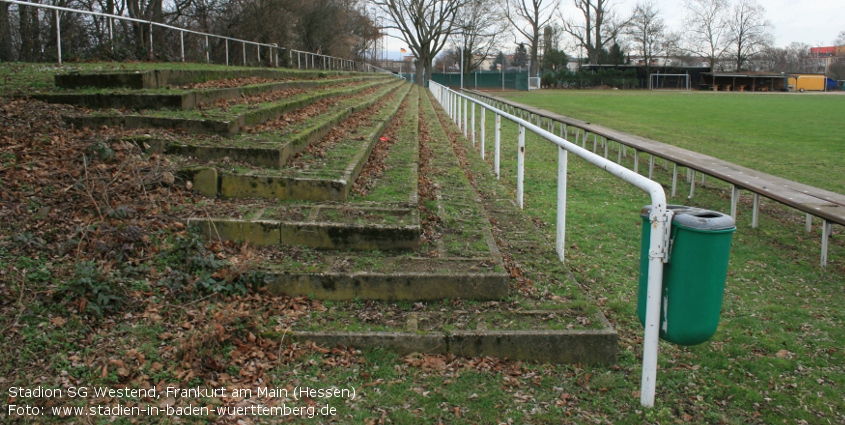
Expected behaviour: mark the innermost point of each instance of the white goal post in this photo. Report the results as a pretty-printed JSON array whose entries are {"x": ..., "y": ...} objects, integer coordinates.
[
  {"x": 668, "y": 82},
  {"x": 533, "y": 83}
]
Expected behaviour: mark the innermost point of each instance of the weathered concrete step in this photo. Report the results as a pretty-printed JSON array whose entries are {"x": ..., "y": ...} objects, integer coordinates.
[
  {"x": 320, "y": 227},
  {"x": 591, "y": 347},
  {"x": 265, "y": 150},
  {"x": 396, "y": 286},
  {"x": 155, "y": 79},
  {"x": 229, "y": 126},
  {"x": 332, "y": 185},
  {"x": 186, "y": 99}
]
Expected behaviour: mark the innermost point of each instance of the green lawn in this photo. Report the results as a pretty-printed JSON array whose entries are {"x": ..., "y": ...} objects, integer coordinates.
[{"x": 798, "y": 136}]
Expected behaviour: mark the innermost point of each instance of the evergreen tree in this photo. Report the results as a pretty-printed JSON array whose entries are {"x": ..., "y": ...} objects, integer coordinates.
[{"x": 520, "y": 57}]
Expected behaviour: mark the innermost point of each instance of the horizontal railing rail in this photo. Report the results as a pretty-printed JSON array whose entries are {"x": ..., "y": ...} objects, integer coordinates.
[
  {"x": 812, "y": 201},
  {"x": 457, "y": 105},
  {"x": 304, "y": 59}
]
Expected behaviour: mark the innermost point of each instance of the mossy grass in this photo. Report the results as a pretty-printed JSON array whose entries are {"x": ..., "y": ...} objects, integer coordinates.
[{"x": 398, "y": 183}]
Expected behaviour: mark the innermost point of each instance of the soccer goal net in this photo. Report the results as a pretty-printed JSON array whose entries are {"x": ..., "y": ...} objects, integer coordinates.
[
  {"x": 533, "y": 83},
  {"x": 669, "y": 82}
]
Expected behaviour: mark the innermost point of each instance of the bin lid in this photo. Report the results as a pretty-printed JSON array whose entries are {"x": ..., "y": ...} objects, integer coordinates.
[{"x": 696, "y": 218}]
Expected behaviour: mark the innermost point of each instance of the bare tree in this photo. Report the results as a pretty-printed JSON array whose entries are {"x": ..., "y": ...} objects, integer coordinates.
[
  {"x": 424, "y": 25},
  {"x": 795, "y": 57},
  {"x": 153, "y": 10},
  {"x": 528, "y": 17},
  {"x": 708, "y": 32},
  {"x": 647, "y": 32},
  {"x": 750, "y": 31},
  {"x": 840, "y": 39},
  {"x": 596, "y": 28},
  {"x": 480, "y": 24}
]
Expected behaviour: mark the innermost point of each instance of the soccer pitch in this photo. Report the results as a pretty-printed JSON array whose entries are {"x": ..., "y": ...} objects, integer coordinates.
[{"x": 797, "y": 136}]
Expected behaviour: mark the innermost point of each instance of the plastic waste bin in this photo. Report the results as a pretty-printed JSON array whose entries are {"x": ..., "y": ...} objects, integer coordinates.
[{"x": 694, "y": 278}]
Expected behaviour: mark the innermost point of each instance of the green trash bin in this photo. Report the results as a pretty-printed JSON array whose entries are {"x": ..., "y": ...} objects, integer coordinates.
[{"x": 694, "y": 278}]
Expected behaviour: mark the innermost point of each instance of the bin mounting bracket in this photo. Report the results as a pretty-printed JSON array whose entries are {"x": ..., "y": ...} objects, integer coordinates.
[{"x": 666, "y": 247}]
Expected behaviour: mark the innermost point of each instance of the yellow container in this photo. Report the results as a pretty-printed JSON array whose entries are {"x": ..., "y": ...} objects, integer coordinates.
[{"x": 807, "y": 82}]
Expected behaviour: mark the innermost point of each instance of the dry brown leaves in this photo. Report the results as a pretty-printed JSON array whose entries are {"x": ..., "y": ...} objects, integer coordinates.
[
  {"x": 375, "y": 166},
  {"x": 429, "y": 220},
  {"x": 79, "y": 191},
  {"x": 226, "y": 83},
  {"x": 338, "y": 134}
]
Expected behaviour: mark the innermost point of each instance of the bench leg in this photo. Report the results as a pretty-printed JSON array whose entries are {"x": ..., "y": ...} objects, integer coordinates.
[
  {"x": 826, "y": 228},
  {"x": 755, "y": 213}
]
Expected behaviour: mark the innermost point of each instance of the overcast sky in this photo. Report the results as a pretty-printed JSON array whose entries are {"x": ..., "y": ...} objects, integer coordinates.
[{"x": 815, "y": 22}]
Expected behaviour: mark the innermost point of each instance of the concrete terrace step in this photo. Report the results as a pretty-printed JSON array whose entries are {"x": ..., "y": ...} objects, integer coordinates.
[
  {"x": 269, "y": 148},
  {"x": 450, "y": 267},
  {"x": 328, "y": 176},
  {"x": 366, "y": 226},
  {"x": 215, "y": 121},
  {"x": 185, "y": 99},
  {"x": 162, "y": 78},
  {"x": 458, "y": 309}
]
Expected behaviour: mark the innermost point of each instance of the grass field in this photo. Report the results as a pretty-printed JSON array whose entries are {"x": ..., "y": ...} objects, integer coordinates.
[
  {"x": 777, "y": 355},
  {"x": 798, "y": 136}
]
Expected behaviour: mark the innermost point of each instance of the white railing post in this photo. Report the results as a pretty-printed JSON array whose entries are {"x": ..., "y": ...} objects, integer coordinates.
[
  {"x": 520, "y": 167},
  {"x": 483, "y": 129},
  {"x": 466, "y": 127},
  {"x": 207, "y": 51},
  {"x": 182, "y": 45},
  {"x": 560, "y": 231},
  {"x": 497, "y": 147},
  {"x": 472, "y": 122},
  {"x": 151, "y": 39},
  {"x": 244, "y": 51},
  {"x": 59, "y": 36}
]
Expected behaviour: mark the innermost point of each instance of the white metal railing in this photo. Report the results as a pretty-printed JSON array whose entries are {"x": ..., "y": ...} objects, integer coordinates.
[
  {"x": 303, "y": 59},
  {"x": 457, "y": 104}
]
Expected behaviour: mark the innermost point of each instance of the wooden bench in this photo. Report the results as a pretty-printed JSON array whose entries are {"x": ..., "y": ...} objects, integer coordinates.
[{"x": 813, "y": 201}]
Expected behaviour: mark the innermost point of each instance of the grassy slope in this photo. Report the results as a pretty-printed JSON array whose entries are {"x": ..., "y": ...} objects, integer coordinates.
[{"x": 789, "y": 135}]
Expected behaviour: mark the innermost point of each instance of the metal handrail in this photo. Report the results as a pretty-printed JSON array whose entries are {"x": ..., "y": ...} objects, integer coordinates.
[
  {"x": 660, "y": 216},
  {"x": 338, "y": 63}
]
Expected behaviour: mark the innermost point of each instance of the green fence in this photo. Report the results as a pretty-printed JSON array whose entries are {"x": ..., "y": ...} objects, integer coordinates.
[{"x": 485, "y": 80}]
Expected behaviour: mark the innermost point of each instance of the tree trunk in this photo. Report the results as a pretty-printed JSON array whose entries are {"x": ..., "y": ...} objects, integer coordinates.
[
  {"x": 421, "y": 69},
  {"x": 30, "y": 30},
  {"x": 6, "y": 53}
]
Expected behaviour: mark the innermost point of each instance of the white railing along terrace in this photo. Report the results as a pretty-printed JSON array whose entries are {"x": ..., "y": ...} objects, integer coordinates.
[
  {"x": 457, "y": 106},
  {"x": 303, "y": 59}
]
